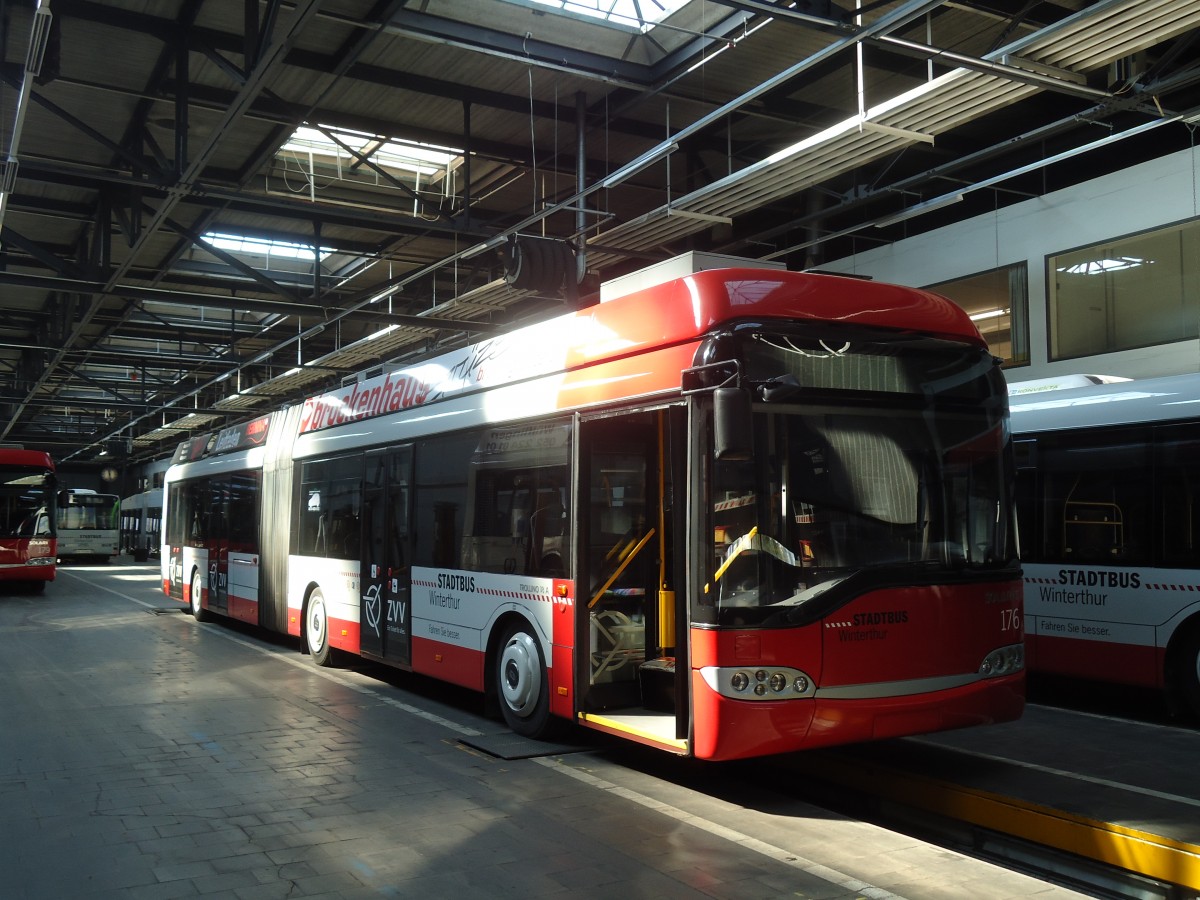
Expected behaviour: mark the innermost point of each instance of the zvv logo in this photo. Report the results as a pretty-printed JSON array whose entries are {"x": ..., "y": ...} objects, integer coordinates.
[{"x": 372, "y": 607}]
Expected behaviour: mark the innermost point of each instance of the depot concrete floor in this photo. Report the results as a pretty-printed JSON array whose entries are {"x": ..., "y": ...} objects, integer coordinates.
[{"x": 144, "y": 755}]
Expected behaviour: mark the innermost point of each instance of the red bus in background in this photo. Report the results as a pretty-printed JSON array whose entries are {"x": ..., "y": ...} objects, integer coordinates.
[
  {"x": 744, "y": 511},
  {"x": 28, "y": 543}
]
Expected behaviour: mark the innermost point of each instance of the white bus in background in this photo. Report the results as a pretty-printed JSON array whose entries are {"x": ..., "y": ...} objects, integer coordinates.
[
  {"x": 141, "y": 524},
  {"x": 87, "y": 524},
  {"x": 1108, "y": 497}
]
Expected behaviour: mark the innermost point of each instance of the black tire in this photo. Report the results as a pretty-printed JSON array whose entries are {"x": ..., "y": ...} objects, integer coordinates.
[
  {"x": 512, "y": 259},
  {"x": 522, "y": 685},
  {"x": 199, "y": 613},
  {"x": 536, "y": 259},
  {"x": 316, "y": 629},
  {"x": 553, "y": 268},
  {"x": 1185, "y": 677}
]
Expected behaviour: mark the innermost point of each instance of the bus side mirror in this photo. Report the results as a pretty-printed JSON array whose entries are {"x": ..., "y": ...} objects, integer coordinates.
[{"x": 732, "y": 424}]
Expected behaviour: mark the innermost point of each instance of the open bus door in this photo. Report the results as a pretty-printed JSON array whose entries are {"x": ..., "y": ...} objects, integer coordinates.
[
  {"x": 632, "y": 671},
  {"x": 386, "y": 574}
]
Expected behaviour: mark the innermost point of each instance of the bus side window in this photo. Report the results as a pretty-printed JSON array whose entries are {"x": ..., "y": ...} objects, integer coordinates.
[
  {"x": 1098, "y": 498},
  {"x": 517, "y": 518},
  {"x": 243, "y": 511},
  {"x": 1028, "y": 518},
  {"x": 441, "y": 468},
  {"x": 344, "y": 533},
  {"x": 1093, "y": 522},
  {"x": 1177, "y": 467},
  {"x": 197, "y": 510},
  {"x": 330, "y": 494}
]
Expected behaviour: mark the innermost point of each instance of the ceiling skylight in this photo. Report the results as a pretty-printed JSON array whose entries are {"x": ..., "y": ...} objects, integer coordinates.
[
  {"x": 261, "y": 247},
  {"x": 421, "y": 162},
  {"x": 640, "y": 14}
]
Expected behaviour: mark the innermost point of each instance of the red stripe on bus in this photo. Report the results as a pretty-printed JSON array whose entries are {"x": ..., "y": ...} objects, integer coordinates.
[
  {"x": 1132, "y": 664},
  {"x": 243, "y": 609},
  {"x": 457, "y": 665},
  {"x": 344, "y": 635}
]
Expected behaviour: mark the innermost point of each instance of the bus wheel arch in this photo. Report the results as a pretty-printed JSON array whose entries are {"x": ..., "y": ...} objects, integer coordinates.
[
  {"x": 517, "y": 677},
  {"x": 1183, "y": 666},
  {"x": 196, "y": 600},
  {"x": 314, "y": 627}
]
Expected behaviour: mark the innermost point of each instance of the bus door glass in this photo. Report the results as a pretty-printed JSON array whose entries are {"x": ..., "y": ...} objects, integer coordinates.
[
  {"x": 218, "y": 546},
  {"x": 624, "y": 596},
  {"x": 192, "y": 567},
  {"x": 240, "y": 587},
  {"x": 386, "y": 613}
]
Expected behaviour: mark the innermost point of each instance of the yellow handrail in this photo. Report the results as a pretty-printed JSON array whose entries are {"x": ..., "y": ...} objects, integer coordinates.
[
  {"x": 732, "y": 556},
  {"x": 621, "y": 568}
]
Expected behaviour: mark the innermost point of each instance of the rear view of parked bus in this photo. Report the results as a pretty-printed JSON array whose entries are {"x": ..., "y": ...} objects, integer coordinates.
[
  {"x": 1109, "y": 501},
  {"x": 141, "y": 524},
  {"x": 87, "y": 525},
  {"x": 739, "y": 512},
  {"x": 28, "y": 546}
]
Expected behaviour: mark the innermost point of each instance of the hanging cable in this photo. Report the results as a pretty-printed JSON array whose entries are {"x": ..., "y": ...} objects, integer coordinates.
[{"x": 532, "y": 140}]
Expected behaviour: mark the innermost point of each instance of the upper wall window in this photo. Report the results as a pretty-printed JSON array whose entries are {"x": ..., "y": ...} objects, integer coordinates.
[
  {"x": 996, "y": 301},
  {"x": 1129, "y": 292}
]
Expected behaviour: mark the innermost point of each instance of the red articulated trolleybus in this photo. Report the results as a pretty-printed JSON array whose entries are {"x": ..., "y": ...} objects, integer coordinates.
[
  {"x": 744, "y": 511},
  {"x": 28, "y": 543}
]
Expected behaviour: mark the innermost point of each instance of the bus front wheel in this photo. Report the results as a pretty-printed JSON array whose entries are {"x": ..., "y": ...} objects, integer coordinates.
[
  {"x": 316, "y": 629},
  {"x": 1186, "y": 680},
  {"x": 199, "y": 613},
  {"x": 521, "y": 682}
]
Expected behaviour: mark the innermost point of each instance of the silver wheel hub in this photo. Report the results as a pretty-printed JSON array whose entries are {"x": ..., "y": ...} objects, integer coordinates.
[
  {"x": 520, "y": 674},
  {"x": 316, "y": 625}
]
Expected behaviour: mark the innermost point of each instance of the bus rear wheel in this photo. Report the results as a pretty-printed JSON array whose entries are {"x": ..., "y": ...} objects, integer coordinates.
[
  {"x": 316, "y": 629},
  {"x": 199, "y": 613},
  {"x": 521, "y": 682}
]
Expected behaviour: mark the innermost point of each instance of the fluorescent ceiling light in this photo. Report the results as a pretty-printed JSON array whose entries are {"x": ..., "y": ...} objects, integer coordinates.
[
  {"x": 990, "y": 314},
  {"x": 378, "y": 334}
]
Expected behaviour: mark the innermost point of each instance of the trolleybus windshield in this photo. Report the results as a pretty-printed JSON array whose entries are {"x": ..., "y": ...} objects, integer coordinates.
[
  {"x": 26, "y": 501},
  {"x": 903, "y": 474}
]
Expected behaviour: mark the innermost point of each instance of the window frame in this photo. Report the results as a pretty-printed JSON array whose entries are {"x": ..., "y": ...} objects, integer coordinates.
[{"x": 1050, "y": 272}]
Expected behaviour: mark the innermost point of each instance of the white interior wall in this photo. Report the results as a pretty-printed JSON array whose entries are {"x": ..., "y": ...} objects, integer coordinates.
[{"x": 1141, "y": 197}]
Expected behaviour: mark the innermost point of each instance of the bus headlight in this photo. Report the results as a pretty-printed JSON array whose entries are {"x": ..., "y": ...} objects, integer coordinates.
[
  {"x": 1003, "y": 661},
  {"x": 769, "y": 682}
]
